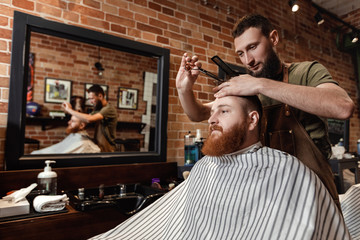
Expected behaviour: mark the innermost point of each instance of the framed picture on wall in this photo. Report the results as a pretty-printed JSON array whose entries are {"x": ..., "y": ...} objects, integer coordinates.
[
  {"x": 86, "y": 94},
  {"x": 57, "y": 90},
  {"x": 128, "y": 98}
]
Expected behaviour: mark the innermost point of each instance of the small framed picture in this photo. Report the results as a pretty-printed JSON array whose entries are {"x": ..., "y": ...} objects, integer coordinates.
[
  {"x": 86, "y": 94},
  {"x": 127, "y": 98},
  {"x": 57, "y": 90}
]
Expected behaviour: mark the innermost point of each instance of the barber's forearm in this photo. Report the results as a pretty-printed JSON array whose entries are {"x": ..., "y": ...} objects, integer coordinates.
[
  {"x": 82, "y": 116},
  {"x": 195, "y": 110},
  {"x": 327, "y": 100}
]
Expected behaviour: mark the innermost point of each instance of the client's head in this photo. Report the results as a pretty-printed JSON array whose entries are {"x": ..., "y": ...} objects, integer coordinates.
[
  {"x": 234, "y": 125},
  {"x": 75, "y": 125}
]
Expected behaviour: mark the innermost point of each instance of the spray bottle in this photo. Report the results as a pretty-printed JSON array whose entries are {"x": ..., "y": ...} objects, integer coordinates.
[
  {"x": 199, "y": 142},
  {"x": 47, "y": 180},
  {"x": 190, "y": 149}
]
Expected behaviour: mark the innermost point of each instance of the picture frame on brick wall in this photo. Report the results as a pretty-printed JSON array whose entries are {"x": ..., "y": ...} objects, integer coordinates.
[
  {"x": 86, "y": 94},
  {"x": 57, "y": 90},
  {"x": 128, "y": 98}
]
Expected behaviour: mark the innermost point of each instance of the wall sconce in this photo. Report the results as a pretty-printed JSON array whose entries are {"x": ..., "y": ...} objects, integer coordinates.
[
  {"x": 294, "y": 6},
  {"x": 98, "y": 65},
  {"x": 100, "y": 68},
  {"x": 318, "y": 18},
  {"x": 355, "y": 37}
]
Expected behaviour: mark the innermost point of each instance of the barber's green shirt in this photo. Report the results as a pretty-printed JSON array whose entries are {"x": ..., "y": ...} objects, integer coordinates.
[
  {"x": 109, "y": 122},
  {"x": 309, "y": 74}
]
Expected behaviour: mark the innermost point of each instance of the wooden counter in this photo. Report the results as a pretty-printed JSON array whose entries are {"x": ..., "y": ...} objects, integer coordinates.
[{"x": 76, "y": 224}]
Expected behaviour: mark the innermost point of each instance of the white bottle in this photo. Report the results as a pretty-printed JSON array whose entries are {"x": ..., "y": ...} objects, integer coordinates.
[{"x": 47, "y": 180}]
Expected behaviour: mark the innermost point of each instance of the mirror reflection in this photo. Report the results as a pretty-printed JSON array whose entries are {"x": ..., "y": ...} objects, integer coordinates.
[{"x": 63, "y": 70}]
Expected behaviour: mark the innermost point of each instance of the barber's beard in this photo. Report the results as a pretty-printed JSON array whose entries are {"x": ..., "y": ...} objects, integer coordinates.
[
  {"x": 98, "y": 105},
  {"x": 271, "y": 66},
  {"x": 72, "y": 130},
  {"x": 227, "y": 142}
]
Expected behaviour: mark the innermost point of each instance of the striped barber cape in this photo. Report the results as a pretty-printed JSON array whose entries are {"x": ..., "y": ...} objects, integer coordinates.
[{"x": 260, "y": 194}]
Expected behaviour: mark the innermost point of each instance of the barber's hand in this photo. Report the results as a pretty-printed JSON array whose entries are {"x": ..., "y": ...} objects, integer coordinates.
[
  {"x": 66, "y": 106},
  {"x": 185, "y": 79},
  {"x": 243, "y": 85}
]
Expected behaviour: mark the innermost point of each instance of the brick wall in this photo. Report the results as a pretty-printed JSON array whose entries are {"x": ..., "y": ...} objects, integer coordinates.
[{"x": 189, "y": 26}]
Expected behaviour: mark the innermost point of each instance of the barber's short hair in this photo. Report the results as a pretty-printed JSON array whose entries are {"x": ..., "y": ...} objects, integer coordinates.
[
  {"x": 97, "y": 89},
  {"x": 254, "y": 103},
  {"x": 252, "y": 20}
]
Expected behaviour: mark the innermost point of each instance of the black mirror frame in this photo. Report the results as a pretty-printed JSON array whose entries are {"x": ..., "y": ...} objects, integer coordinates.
[{"x": 24, "y": 24}]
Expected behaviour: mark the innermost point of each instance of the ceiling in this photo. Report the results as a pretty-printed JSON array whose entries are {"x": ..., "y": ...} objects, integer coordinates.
[{"x": 338, "y": 7}]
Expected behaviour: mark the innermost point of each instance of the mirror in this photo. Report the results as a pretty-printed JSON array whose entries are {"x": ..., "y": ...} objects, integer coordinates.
[{"x": 134, "y": 76}]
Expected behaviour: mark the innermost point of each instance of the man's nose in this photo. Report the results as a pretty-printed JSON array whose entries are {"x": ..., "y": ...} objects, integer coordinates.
[
  {"x": 213, "y": 119},
  {"x": 249, "y": 59}
]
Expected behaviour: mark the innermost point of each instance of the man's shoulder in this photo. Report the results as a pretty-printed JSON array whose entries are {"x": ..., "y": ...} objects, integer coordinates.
[
  {"x": 272, "y": 152},
  {"x": 304, "y": 66}
]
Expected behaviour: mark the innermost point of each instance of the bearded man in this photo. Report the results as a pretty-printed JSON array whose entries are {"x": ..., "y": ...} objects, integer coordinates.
[
  {"x": 77, "y": 141},
  {"x": 305, "y": 89},
  {"x": 104, "y": 115},
  {"x": 240, "y": 190}
]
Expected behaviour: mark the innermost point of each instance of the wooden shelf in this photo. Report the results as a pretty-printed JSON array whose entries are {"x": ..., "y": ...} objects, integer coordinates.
[{"x": 49, "y": 123}]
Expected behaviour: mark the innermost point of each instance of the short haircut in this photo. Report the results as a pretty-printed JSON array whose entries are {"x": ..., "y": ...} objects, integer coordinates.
[
  {"x": 97, "y": 89},
  {"x": 254, "y": 103},
  {"x": 252, "y": 20}
]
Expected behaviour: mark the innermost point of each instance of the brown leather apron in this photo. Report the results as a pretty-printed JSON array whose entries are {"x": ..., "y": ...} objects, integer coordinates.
[{"x": 281, "y": 130}]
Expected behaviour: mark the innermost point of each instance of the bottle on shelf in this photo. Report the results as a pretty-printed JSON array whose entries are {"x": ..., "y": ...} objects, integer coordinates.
[
  {"x": 199, "y": 142},
  {"x": 190, "y": 149}
]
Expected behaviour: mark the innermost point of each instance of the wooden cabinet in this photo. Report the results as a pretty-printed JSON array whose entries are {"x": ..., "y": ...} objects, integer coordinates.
[{"x": 76, "y": 224}]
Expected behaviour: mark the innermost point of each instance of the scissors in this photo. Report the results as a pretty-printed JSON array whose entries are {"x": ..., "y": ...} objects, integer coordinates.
[{"x": 207, "y": 73}]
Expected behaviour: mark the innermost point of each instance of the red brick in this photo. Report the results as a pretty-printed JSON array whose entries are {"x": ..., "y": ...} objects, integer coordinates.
[
  {"x": 168, "y": 19},
  {"x": 4, "y": 21},
  {"x": 120, "y": 20},
  {"x": 141, "y": 10},
  {"x": 95, "y": 23},
  {"x": 148, "y": 28},
  {"x": 121, "y": 4},
  {"x": 141, "y": 2},
  {"x": 179, "y": 15},
  {"x": 118, "y": 28},
  {"x": 3, "y": 46},
  {"x": 71, "y": 16},
  {"x": 176, "y": 36},
  {"x": 156, "y": 23},
  {"x": 92, "y": 3},
  {"x": 54, "y": 12},
  {"x": 86, "y": 11},
  {"x": 154, "y": 6},
  {"x": 5, "y": 33},
  {"x": 168, "y": 11},
  {"x": 162, "y": 40},
  {"x": 134, "y": 32},
  {"x": 5, "y": 57},
  {"x": 167, "y": 3},
  {"x": 25, "y": 4},
  {"x": 106, "y": 8},
  {"x": 59, "y": 4}
]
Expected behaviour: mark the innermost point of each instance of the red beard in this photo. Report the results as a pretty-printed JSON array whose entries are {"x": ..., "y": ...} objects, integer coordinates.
[
  {"x": 72, "y": 130},
  {"x": 227, "y": 142}
]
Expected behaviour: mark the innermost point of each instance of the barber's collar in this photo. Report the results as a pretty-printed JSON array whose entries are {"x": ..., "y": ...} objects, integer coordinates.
[{"x": 252, "y": 148}]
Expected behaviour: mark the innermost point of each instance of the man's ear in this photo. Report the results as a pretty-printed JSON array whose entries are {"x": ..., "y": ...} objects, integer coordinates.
[
  {"x": 253, "y": 120},
  {"x": 82, "y": 125},
  {"x": 274, "y": 37}
]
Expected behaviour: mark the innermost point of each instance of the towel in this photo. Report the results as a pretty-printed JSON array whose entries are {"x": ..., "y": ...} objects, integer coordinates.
[
  {"x": 19, "y": 195},
  {"x": 46, "y": 203}
]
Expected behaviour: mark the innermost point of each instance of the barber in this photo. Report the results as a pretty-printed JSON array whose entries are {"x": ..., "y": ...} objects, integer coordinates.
[
  {"x": 309, "y": 88},
  {"x": 104, "y": 115}
]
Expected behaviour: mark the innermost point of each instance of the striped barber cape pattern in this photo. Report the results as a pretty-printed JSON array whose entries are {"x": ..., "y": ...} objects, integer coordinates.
[{"x": 261, "y": 194}]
